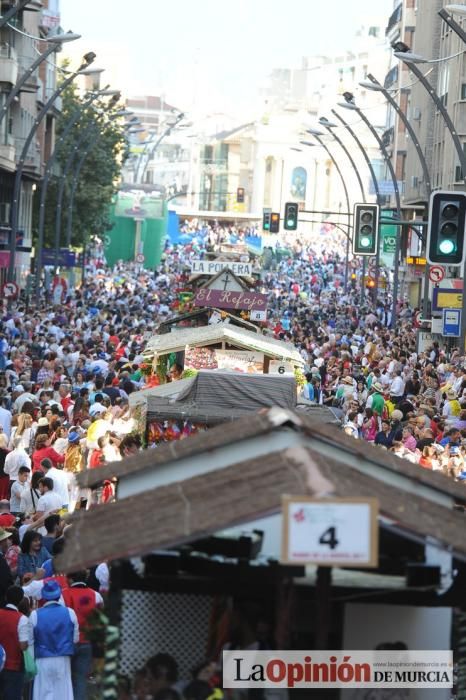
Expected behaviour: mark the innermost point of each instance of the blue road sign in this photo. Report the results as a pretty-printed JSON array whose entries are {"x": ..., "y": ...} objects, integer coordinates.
[
  {"x": 451, "y": 323},
  {"x": 66, "y": 258}
]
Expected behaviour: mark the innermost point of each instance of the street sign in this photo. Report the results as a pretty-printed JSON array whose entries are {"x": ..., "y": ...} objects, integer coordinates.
[
  {"x": 446, "y": 299},
  {"x": 139, "y": 258},
  {"x": 389, "y": 244},
  {"x": 436, "y": 273},
  {"x": 330, "y": 532},
  {"x": 282, "y": 368},
  {"x": 213, "y": 267},
  {"x": 10, "y": 290},
  {"x": 62, "y": 258},
  {"x": 451, "y": 323}
]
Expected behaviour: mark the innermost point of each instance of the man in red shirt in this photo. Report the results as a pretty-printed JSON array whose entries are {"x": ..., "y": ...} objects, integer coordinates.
[
  {"x": 83, "y": 600},
  {"x": 14, "y": 633}
]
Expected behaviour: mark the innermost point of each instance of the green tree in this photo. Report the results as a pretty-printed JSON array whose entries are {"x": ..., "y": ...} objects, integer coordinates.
[{"x": 105, "y": 142}]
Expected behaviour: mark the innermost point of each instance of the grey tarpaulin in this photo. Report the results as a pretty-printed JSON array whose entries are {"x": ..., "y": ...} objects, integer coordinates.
[{"x": 217, "y": 396}]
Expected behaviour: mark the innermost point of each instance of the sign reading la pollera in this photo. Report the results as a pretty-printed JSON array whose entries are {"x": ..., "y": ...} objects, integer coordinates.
[{"x": 251, "y": 301}]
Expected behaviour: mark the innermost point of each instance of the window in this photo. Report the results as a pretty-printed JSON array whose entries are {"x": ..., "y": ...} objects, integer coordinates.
[{"x": 463, "y": 91}]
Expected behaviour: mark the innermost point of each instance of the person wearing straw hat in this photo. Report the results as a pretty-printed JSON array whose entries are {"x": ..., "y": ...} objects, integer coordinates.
[
  {"x": 53, "y": 632},
  {"x": 452, "y": 407},
  {"x": 377, "y": 401}
]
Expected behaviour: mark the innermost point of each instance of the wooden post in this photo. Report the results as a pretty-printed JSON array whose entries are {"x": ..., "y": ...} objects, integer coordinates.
[{"x": 323, "y": 607}]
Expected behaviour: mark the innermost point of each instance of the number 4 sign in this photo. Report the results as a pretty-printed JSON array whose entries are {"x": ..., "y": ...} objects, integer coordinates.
[{"x": 330, "y": 532}]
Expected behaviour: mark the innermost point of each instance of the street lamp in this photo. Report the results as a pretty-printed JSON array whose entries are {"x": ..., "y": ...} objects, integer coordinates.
[
  {"x": 405, "y": 57},
  {"x": 318, "y": 137},
  {"x": 115, "y": 95},
  {"x": 373, "y": 84},
  {"x": 87, "y": 60}
]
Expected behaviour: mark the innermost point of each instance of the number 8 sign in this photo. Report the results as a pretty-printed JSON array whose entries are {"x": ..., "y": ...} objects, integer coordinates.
[{"x": 330, "y": 532}]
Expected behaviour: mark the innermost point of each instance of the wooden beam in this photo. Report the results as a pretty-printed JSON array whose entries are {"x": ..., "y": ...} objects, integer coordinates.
[{"x": 183, "y": 511}]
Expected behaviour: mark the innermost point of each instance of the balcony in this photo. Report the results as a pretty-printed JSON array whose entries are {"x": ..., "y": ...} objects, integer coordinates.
[
  {"x": 394, "y": 18},
  {"x": 8, "y": 64},
  {"x": 391, "y": 77}
]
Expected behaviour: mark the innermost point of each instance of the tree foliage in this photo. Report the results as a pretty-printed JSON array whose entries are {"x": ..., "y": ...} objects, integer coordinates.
[{"x": 103, "y": 140}]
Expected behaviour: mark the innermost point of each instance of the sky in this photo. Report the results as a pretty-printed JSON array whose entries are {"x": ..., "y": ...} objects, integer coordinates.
[{"x": 216, "y": 52}]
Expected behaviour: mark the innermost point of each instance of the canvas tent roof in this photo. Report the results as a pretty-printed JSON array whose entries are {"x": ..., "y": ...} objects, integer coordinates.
[{"x": 222, "y": 332}]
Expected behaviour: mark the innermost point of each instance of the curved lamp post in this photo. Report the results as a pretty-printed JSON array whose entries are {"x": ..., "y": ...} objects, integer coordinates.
[
  {"x": 330, "y": 126},
  {"x": 375, "y": 182},
  {"x": 318, "y": 137},
  {"x": 373, "y": 84},
  {"x": 412, "y": 60},
  {"x": 165, "y": 133},
  {"x": 350, "y": 104},
  {"x": 88, "y": 59}
]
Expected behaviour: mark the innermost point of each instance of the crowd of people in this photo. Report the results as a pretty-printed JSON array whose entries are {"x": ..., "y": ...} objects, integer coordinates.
[{"x": 67, "y": 372}]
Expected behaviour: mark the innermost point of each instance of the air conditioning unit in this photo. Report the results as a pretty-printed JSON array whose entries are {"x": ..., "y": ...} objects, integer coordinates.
[
  {"x": 416, "y": 113},
  {"x": 414, "y": 181}
]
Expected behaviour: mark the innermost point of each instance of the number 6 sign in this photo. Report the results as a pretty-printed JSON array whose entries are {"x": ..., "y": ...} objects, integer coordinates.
[{"x": 330, "y": 532}]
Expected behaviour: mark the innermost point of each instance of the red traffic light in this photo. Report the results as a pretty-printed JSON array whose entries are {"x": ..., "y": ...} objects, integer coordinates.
[{"x": 274, "y": 222}]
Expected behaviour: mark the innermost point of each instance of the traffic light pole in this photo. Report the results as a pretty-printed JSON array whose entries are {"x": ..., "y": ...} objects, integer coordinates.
[{"x": 345, "y": 190}]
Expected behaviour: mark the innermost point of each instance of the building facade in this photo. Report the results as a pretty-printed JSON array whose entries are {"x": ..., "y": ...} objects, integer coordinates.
[{"x": 18, "y": 50}]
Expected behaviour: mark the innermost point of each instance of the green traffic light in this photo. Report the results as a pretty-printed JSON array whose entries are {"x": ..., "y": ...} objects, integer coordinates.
[
  {"x": 365, "y": 242},
  {"x": 447, "y": 247},
  {"x": 290, "y": 222}
]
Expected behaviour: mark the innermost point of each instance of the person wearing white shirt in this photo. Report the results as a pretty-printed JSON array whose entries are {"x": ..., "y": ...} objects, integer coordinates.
[
  {"x": 60, "y": 481},
  {"x": 397, "y": 388},
  {"x": 18, "y": 488},
  {"x": 15, "y": 459},
  {"x": 48, "y": 501},
  {"x": 5, "y": 421}
]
